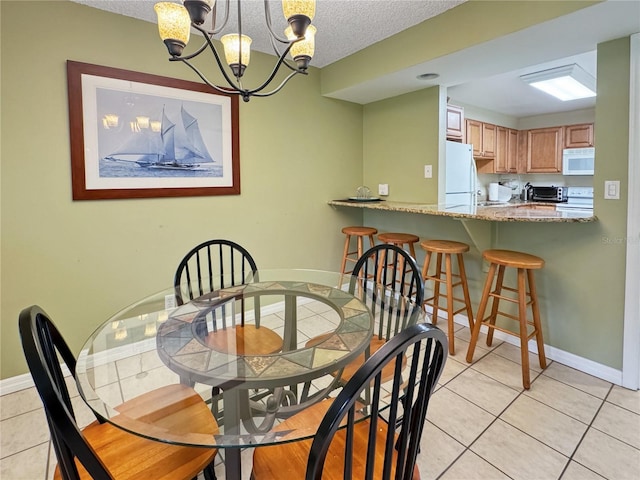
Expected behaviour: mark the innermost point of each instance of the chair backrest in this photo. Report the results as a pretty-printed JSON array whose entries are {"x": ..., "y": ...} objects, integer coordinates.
[
  {"x": 212, "y": 265},
  {"x": 409, "y": 401},
  {"x": 42, "y": 343},
  {"x": 390, "y": 282}
]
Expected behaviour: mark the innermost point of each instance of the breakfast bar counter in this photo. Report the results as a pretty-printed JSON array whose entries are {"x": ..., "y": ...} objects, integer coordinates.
[{"x": 502, "y": 212}]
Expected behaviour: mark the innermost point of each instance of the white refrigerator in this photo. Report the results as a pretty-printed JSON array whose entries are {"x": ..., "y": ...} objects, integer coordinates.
[{"x": 461, "y": 177}]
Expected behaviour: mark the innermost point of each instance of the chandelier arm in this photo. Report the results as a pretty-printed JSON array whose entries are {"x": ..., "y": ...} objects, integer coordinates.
[
  {"x": 232, "y": 90},
  {"x": 267, "y": 16},
  {"x": 275, "y": 71},
  {"x": 285, "y": 62},
  {"x": 212, "y": 47},
  {"x": 292, "y": 74},
  {"x": 215, "y": 30}
]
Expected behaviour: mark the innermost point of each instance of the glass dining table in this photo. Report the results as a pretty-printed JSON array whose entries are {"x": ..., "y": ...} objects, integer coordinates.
[{"x": 155, "y": 342}]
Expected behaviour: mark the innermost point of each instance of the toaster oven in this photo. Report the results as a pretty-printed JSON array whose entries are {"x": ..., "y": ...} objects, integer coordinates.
[{"x": 547, "y": 194}]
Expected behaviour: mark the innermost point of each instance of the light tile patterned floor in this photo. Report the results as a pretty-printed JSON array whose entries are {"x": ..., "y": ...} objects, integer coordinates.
[{"x": 481, "y": 424}]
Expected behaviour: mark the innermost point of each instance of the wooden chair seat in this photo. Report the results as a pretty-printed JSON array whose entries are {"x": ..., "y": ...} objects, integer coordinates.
[
  {"x": 289, "y": 460},
  {"x": 129, "y": 456},
  {"x": 245, "y": 340}
]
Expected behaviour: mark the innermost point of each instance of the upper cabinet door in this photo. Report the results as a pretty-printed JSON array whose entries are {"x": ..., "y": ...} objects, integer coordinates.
[
  {"x": 455, "y": 123},
  {"x": 483, "y": 138},
  {"x": 544, "y": 150},
  {"x": 578, "y": 136}
]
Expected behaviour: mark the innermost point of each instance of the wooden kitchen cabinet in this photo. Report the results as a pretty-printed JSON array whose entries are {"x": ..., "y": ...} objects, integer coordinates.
[
  {"x": 455, "y": 123},
  {"x": 506, "y": 158},
  {"x": 544, "y": 150},
  {"x": 578, "y": 136},
  {"x": 483, "y": 138},
  {"x": 512, "y": 151}
]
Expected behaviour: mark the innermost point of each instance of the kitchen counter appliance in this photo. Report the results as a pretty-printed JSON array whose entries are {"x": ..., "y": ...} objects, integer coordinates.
[
  {"x": 546, "y": 194},
  {"x": 578, "y": 161},
  {"x": 579, "y": 201},
  {"x": 461, "y": 179}
]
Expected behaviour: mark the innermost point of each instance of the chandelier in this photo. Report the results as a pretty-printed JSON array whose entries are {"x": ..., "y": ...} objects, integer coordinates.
[{"x": 175, "y": 22}]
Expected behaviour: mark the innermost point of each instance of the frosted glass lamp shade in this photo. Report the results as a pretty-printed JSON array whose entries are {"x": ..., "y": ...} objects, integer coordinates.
[
  {"x": 174, "y": 26},
  {"x": 299, "y": 7},
  {"x": 299, "y": 14},
  {"x": 302, "y": 51},
  {"x": 232, "y": 44}
]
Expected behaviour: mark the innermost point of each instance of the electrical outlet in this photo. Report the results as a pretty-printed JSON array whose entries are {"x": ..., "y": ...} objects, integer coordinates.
[
  {"x": 383, "y": 189},
  {"x": 428, "y": 171},
  {"x": 612, "y": 189}
]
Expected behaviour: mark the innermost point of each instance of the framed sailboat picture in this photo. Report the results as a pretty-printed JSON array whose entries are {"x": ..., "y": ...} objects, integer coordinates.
[{"x": 137, "y": 135}]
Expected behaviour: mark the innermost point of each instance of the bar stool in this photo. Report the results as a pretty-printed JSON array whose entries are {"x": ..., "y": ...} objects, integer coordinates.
[
  {"x": 526, "y": 264},
  {"x": 447, "y": 248},
  {"x": 360, "y": 233},
  {"x": 399, "y": 240}
]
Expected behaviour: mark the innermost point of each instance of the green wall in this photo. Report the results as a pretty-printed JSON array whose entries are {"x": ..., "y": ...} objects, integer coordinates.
[
  {"x": 82, "y": 261},
  {"x": 581, "y": 288},
  {"x": 401, "y": 135}
]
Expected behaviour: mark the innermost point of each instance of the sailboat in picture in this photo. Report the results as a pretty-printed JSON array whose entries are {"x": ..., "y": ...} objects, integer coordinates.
[{"x": 177, "y": 146}]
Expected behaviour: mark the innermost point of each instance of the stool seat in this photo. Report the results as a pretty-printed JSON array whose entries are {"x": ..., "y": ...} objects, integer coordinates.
[
  {"x": 525, "y": 264},
  {"x": 359, "y": 231},
  {"x": 510, "y": 258},
  {"x": 444, "y": 274},
  {"x": 444, "y": 246},
  {"x": 398, "y": 238}
]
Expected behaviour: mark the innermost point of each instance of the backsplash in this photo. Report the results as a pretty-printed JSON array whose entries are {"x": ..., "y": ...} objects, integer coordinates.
[{"x": 517, "y": 182}]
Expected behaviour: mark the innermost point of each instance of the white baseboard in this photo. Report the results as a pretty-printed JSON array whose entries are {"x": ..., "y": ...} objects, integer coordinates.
[
  {"x": 21, "y": 382},
  {"x": 552, "y": 353}
]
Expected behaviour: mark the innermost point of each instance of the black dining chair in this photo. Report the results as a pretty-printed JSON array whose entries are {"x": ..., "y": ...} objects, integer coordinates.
[
  {"x": 347, "y": 447},
  {"x": 388, "y": 280},
  {"x": 102, "y": 451},
  {"x": 218, "y": 264},
  {"x": 207, "y": 268}
]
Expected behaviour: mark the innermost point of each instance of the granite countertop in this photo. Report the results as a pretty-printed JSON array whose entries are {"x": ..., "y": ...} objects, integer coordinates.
[{"x": 506, "y": 212}]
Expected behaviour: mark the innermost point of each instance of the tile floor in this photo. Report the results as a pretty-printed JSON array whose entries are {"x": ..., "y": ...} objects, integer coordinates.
[{"x": 481, "y": 424}]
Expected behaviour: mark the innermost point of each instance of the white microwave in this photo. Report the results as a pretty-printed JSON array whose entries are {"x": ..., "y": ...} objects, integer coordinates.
[{"x": 578, "y": 161}]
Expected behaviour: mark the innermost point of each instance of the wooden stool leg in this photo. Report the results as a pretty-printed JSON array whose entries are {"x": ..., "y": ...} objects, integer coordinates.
[
  {"x": 436, "y": 287},
  {"x": 372, "y": 242},
  {"x": 522, "y": 316},
  {"x": 344, "y": 255},
  {"x": 536, "y": 319},
  {"x": 480, "y": 315},
  {"x": 495, "y": 303},
  {"x": 447, "y": 270},
  {"x": 425, "y": 273},
  {"x": 465, "y": 290},
  {"x": 360, "y": 245}
]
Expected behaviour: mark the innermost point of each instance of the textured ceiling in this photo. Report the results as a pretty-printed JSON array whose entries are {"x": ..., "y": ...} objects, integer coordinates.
[
  {"x": 484, "y": 75},
  {"x": 344, "y": 26}
]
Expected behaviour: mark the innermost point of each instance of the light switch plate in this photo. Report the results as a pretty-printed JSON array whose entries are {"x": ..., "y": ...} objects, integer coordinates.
[
  {"x": 612, "y": 189},
  {"x": 383, "y": 189},
  {"x": 428, "y": 171}
]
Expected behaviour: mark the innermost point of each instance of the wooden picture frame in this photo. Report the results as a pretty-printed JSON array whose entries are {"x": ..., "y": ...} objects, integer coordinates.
[{"x": 137, "y": 135}]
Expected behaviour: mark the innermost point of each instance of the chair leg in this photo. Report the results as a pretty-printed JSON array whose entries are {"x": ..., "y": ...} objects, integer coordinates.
[
  {"x": 480, "y": 315},
  {"x": 436, "y": 287},
  {"x": 447, "y": 270},
  {"x": 495, "y": 303},
  {"x": 209, "y": 472},
  {"x": 522, "y": 316},
  {"x": 344, "y": 255},
  {"x": 465, "y": 290},
  {"x": 536, "y": 319}
]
